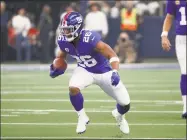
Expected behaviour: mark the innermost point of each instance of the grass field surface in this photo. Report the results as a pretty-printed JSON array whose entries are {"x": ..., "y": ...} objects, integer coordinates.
[{"x": 35, "y": 106}]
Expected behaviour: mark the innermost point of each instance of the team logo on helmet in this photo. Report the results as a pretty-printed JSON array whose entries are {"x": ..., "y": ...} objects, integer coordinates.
[{"x": 71, "y": 25}]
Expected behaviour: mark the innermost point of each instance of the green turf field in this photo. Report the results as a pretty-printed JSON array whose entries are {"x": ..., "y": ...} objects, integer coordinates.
[{"x": 35, "y": 106}]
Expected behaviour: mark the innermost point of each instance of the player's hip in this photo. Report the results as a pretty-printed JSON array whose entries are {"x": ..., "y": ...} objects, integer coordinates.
[
  {"x": 98, "y": 69},
  {"x": 181, "y": 39}
]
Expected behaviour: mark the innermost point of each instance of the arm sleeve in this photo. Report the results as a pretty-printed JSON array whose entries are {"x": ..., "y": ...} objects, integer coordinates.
[
  {"x": 170, "y": 7},
  {"x": 60, "y": 43}
]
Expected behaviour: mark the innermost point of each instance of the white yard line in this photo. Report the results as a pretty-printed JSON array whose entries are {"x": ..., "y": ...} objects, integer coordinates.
[
  {"x": 40, "y": 87},
  {"x": 8, "y": 115},
  {"x": 104, "y": 101},
  {"x": 126, "y": 82},
  {"x": 95, "y": 124},
  {"x": 90, "y": 87},
  {"x": 30, "y": 112},
  {"x": 65, "y": 91},
  {"x": 87, "y": 110},
  {"x": 133, "y": 107},
  {"x": 104, "y": 138}
]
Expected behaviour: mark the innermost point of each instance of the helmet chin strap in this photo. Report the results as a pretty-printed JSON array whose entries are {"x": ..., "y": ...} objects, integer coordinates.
[{"x": 70, "y": 39}]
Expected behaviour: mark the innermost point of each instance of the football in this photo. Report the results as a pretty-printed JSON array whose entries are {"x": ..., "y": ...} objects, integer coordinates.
[{"x": 60, "y": 63}]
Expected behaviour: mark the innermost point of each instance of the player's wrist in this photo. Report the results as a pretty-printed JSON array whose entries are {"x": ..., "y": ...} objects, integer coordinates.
[
  {"x": 115, "y": 70},
  {"x": 114, "y": 59},
  {"x": 164, "y": 33},
  {"x": 114, "y": 65}
]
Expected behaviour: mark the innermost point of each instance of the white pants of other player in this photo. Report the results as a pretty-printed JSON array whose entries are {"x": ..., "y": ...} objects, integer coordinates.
[{"x": 180, "y": 44}]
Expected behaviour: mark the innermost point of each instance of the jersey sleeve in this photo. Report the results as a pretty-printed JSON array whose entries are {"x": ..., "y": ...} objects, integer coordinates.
[
  {"x": 60, "y": 43},
  {"x": 170, "y": 7},
  {"x": 94, "y": 38}
]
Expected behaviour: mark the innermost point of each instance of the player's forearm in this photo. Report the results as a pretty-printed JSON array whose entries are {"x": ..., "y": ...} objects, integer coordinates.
[
  {"x": 167, "y": 24},
  {"x": 61, "y": 54},
  {"x": 108, "y": 53}
]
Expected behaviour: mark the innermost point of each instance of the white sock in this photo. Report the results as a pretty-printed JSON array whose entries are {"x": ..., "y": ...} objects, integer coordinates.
[
  {"x": 117, "y": 113},
  {"x": 81, "y": 112},
  {"x": 184, "y": 103}
]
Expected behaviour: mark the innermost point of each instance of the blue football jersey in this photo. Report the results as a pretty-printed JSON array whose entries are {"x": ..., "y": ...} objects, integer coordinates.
[
  {"x": 178, "y": 9},
  {"x": 84, "y": 52}
]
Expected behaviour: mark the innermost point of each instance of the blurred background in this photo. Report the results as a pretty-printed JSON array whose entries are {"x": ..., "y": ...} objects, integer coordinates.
[{"x": 132, "y": 28}]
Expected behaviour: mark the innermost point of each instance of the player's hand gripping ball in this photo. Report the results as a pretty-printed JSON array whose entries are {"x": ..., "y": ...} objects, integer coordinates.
[
  {"x": 58, "y": 67},
  {"x": 60, "y": 63}
]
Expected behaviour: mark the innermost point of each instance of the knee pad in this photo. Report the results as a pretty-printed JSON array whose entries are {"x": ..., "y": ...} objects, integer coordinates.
[
  {"x": 126, "y": 108},
  {"x": 123, "y": 109}
]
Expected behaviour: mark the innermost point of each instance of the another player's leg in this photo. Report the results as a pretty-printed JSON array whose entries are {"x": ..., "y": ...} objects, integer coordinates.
[
  {"x": 181, "y": 56},
  {"x": 79, "y": 80},
  {"x": 120, "y": 94},
  {"x": 184, "y": 92}
]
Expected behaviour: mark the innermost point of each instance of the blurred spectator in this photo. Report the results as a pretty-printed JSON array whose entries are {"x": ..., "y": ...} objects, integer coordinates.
[
  {"x": 147, "y": 7},
  {"x": 68, "y": 9},
  {"x": 142, "y": 8},
  {"x": 115, "y": 10},
  {"x": 90, "y": 2},
  {"x": 129, "y": 19},
  {"x": 21, "y": 25},
  {"x": 105, "y": 7},
  {"x": 45, "y": 27},
  {"x": 33, "y": 35},
  {"x": 130, "y": 23},
  {"x": 4, "y": 31},
  {"x": 96, "y": 20},
  {"x": 125, "y": 49},
  {"x": 153, "y": 7}
]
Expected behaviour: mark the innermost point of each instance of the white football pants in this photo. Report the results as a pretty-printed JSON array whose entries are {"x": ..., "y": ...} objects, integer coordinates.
[
  {"x": 81, "y": 79},
  {"x": 181, "y": 51}
]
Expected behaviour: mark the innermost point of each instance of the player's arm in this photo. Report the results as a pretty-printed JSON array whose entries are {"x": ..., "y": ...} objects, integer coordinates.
[
  {"x": 166, "y": 28},
  {"x": 61, "y": 54},
  {"x": 170, "y": 10},
  {"x": 167, "y": 23},
  {"x": 108, "y": 52}
]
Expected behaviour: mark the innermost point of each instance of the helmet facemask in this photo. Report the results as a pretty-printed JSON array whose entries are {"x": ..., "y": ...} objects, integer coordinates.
[{"x": 70, "y": 32}]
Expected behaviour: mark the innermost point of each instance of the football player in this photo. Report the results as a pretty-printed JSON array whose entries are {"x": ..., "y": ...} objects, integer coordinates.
[
  {"x": 97, "y": 64},
  {"x": 178, "y": 10}
]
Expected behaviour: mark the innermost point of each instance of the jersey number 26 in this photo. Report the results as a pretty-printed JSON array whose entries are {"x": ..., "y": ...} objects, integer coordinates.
[
  {"x": 87, "y": 37},
  {"x": 85, "y": 61}
]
